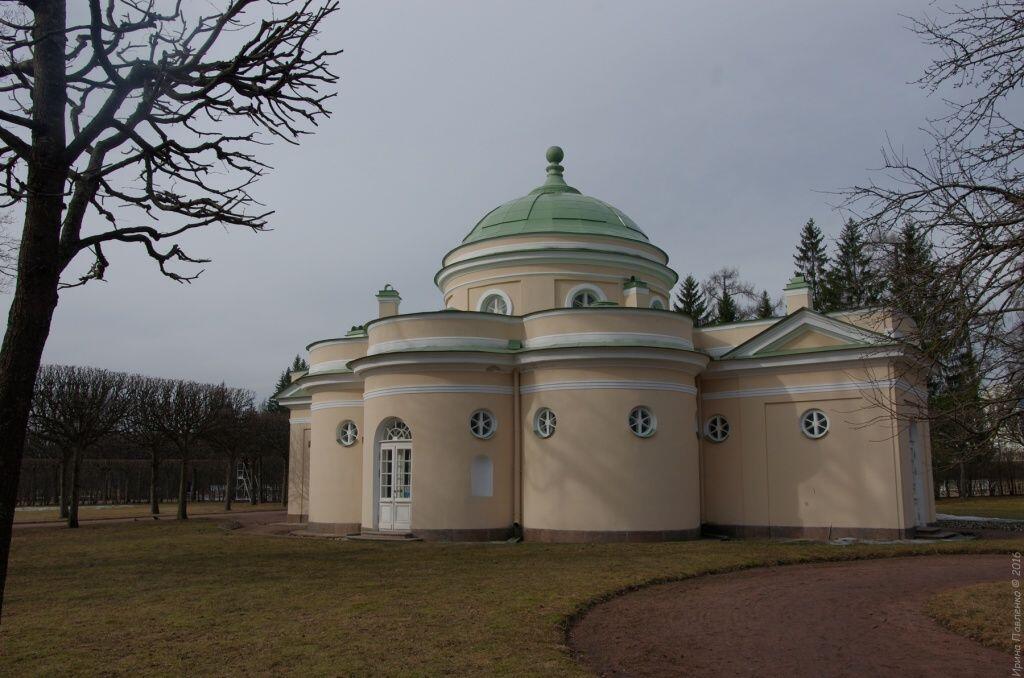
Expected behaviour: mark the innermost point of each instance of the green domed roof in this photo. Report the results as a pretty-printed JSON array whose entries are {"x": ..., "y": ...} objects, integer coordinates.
[{"x": 555, "y": 207}]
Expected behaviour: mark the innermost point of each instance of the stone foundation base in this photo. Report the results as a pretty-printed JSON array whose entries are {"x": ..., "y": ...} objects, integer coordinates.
[
  {"x": 481, "y": 534},
  {"x": 336, "y": 529},
  {"x": 807, "y": 532},
  {"x": 297, "y": 517},
  {"x": 584, "y": 536}
]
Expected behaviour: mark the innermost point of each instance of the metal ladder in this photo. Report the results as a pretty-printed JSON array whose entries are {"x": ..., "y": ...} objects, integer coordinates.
[{"x": 244, "y": 485}]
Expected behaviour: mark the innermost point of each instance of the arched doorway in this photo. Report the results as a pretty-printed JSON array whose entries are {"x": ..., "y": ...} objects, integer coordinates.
[{"x": 394, "y": 476}]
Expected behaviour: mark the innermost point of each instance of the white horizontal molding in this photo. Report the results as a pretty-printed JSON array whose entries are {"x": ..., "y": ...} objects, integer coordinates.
[
  {"x": 662, "y": 273},
  {"x": 833, "y": 358},
  {"x": 860, "y": 386},
  {"x": 607, "y": 384},
  {"x": 486, "y": 278},
  {"x": 608, "y": 338},
  {"x": 329, "y": 366},
  {"x": 533, "y": 246},
  {"x": 437, "y": 388},
  {"x": 616, "y": 353},
  {"x": 300, "y": 420},
  {"x": 444, "y": 316},
  {"x": 335, "y": 404},
  {"x": 438, "y": 343},
  {"x": 717, "y": 351}
]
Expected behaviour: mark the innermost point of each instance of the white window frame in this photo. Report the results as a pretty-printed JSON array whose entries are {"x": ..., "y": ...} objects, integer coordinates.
[
  {"x": 338, "y": 433},
  {"x": 536, "y": 423},
  {"x": 660, "y": 304},
  {"x": 587, "y": 287},
  {"x": 814, "y": 435},
  {"x": 654, "y": 422},
  {"x": 491, "y": 293},
  {"x": 708, "y": 428},
  {"x": 494, "y": 424}
]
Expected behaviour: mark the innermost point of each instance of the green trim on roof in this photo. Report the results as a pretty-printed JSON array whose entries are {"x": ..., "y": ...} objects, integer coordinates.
[
  {"x": 634, "y": 282},
  {"x": 797, "y": 283},
  {"x": 555, "y": 206}
]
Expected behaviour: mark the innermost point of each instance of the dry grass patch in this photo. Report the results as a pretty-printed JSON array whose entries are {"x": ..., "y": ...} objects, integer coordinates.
[
  {"x": 988, "y": 507},
  {"x": 50, "y": 514},
  {"x": 983, "y": 612},
  {"x": 174, "y": 598}
]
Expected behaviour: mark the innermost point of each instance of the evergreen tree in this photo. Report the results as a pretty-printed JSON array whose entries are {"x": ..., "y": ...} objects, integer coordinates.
[
  {"x": 691, "y": 301},
  {"x": 765, "y": 308},
  {"x": 851, "y": 281},
  {"x": 299, "y": 363},
  {"x": 811, "y": 260},
  {"x": 726, "y": 310}
]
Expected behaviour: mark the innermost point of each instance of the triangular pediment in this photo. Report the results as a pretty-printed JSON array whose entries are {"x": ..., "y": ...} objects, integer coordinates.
[{"x": 806, "y": 331}]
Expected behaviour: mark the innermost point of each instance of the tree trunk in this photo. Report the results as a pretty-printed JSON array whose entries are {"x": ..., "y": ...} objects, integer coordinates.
[
  {"x": 63, "y": 502},
  {"x": 76, "y": 482},
  {"x": 962, "y": 486},
  {"x": 183, "y": 488},
  {"x": 229, "y": 482},
  {"x": 154, "y": 485},
  {"x": 35, "y": 292}
]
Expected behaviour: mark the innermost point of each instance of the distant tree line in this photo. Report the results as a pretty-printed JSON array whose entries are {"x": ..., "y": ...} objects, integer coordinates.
[
  {"x": 110, "y": 436},
  {"x": 851, "y": 279}
]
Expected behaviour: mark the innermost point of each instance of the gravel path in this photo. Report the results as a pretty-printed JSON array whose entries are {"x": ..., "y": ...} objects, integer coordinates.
[{"x": 861, "y": 618}]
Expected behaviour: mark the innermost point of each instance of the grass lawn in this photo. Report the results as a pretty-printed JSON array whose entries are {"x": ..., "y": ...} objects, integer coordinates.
[
  {"x": 989, "y": 507},
  {"x": 983, "y": 612},
  {"x": 176, "y": 598},
  {"x": 49, "y": 514}
]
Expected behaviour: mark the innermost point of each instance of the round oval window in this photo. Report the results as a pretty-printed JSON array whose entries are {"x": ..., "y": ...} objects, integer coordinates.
[
  {"x": 642, "y": 422},
  {"x": 348, "y": 433},
  {"x": 482, "y": 424}
]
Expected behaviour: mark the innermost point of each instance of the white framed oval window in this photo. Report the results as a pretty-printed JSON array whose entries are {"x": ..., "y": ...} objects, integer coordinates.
[
  {"x": 348, "y": 433},
  {"x": 495, "y": 301},
  {"x": 716, "y": 429},
  {"x": 482, "y": 424},
  {"x": 814, "y": 424},
  {"x": 642, "y": 422},
  {"x": 583, "y": 296},
  {"x": 657, "y": 304},
  {"x": 544, "y": 423}
]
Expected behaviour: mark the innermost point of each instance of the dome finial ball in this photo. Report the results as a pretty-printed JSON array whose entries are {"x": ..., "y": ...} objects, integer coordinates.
[{"x": 555, "y": 154}]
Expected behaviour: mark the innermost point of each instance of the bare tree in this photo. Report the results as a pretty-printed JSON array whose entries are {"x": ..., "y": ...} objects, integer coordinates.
[
  {"x": 8, "y": 252},
  {"x": 727, "y": 281},
  {"x": 140, "y": 432},
  {"x": 74, "y": 409},
  {"x": 966, "y": 197},
  {"x": 234, "y": 435},
  {"x": 126, "y": 111},
  {"x": 185, "y": 414}
]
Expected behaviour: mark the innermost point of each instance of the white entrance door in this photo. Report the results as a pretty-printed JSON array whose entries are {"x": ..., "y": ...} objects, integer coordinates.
[
  {"x": 394, "y": 511},
  {"x": 918, "y": 470}
]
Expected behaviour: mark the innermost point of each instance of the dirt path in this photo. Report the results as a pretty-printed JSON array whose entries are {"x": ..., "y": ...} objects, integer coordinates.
[{"x": 832, "y": 619}]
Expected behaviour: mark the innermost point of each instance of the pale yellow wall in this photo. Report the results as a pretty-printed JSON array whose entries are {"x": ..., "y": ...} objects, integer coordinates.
[
  {"x": 595, "y": 475},
  {"x": 443, "y": 450},
  {"x": 538, "y": 287},
  {"x": 729, "y": 336},
  {"x": 298, "y": 465},
  {"x": 610, "y": 321},
  {"x": 809, "y": 340},
  {"x": 768, "y": 473},
  {"x": 457, "y": 325},
  {"x": 337, "y": 350},
  {"x": 335, "y": 471}
]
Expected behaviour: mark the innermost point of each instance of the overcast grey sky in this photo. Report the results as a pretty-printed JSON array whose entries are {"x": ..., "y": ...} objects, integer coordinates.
[{"x": 716, "y": 126}]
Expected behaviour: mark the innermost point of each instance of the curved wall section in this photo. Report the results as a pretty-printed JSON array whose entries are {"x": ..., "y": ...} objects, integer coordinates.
[
  {"x": 335, "y": 471},
  {"x": 437, "y": 405},
  {"x": 594, "y": 480}
]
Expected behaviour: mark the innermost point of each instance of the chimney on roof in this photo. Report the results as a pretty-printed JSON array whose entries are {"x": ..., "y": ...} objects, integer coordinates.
[
  {"x": 387, "y": 302},
  {"x": 798, "y": 295}
]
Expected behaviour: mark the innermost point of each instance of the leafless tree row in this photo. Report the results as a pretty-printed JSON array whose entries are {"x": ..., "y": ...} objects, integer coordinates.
[{"x": 75, "y": 410}]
